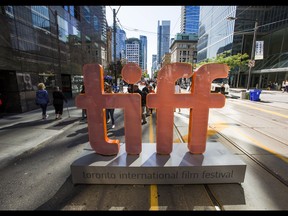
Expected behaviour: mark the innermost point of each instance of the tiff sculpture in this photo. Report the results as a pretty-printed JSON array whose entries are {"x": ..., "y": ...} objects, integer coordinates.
[{"x": 165, "y": 100}]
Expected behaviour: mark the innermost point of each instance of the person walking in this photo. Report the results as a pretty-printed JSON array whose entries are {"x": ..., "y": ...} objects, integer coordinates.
[
  {"x": 177, "y": 91},
  {"x": 151, "y": 90},
  {"x": 84, "y": 112},
  {"x": 58, "y": 102},
  {"x": 143, "y": 102},
  {"x": 42, "y": 99},
  {"x": 145, "y": 90},
  {"x": 109, "y": 112}
]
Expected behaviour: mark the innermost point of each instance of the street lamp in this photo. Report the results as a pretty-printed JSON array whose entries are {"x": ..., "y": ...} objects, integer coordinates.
[
  {"x": 55, "y": 15},
  {"x": 252, "y": 61},
  {"x": 114, "y": 35}
]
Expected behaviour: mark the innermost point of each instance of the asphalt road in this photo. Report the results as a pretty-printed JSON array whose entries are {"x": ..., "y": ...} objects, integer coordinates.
[{"x": 40, "y": 179}]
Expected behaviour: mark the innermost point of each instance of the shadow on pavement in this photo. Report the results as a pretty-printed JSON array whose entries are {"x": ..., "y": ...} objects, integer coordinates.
[{"x": 28, "y": 124}]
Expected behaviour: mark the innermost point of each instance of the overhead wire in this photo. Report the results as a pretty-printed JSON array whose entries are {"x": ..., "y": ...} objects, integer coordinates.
[{"x": 139, "y": 30}]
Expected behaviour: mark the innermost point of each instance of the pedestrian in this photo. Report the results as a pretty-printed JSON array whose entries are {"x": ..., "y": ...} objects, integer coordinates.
[
  {"x": 84, "y": 111},
  {"x": 151, "y": 90},
  {"x": 286, "y": 85},
  {"x": 42, "y": 99},
  {"x": 109, "y": 112},
  {"x": 58, "y": 102},
  {"x": 143, "y": 102},
  {"x": 130, "y": 88},
  {"x": 145, "y": 90},
  {"x": 177, "y": 91}
]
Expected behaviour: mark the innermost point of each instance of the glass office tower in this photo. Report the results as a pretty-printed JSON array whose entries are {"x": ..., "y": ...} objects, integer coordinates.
[
  {"x": 47, "y": 44},
  {"x": 190, "y": 19},
  {"x": 218, "y": 34},
  {"x": 163, "y": 40}
]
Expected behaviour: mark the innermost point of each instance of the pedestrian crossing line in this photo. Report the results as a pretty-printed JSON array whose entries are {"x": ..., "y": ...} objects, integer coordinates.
[
  {"x": 153, "y": 188},
  {"x": 154, "y": 198},
  {"x": 151, "y": 134}
]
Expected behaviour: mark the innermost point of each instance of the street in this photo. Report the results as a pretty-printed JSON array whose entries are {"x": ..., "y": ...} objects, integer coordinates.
[{"x": 255, "y": 131}]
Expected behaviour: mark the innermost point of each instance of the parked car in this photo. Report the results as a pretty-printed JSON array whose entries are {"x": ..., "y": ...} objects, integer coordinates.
[{"x": 220, "y": 85}]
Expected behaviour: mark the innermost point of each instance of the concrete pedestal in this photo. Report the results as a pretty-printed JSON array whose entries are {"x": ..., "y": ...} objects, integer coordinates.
[{"x": 216, "y": 165}]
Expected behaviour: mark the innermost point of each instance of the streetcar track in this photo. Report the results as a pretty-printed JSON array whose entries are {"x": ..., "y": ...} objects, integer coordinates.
[
  {"x": 261, "y": 108},
  {"x": 255, "y": 128},
  {"x": 282, "y": 180},
  {"x": 213, "y": 199}
]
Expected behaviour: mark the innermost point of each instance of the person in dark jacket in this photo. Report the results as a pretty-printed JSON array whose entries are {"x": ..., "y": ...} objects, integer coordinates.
[
  {"x": 145, "y": 90},
  {"x": 84, "y": 111},
  {"x": 58, "y": 102},
  {"x": 143, "y": 102},
  {"x": 42, "y": 99}
]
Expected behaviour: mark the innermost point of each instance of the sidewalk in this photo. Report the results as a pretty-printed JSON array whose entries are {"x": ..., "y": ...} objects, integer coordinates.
[
  {"x": 25, "y": 131},
  {"x": 269, "y": 97}
]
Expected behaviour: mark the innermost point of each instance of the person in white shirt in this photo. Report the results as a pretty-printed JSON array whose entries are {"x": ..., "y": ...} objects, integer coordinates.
[
  {"x": 177, "y": 91},
  {"x": 286, "y": 86}
]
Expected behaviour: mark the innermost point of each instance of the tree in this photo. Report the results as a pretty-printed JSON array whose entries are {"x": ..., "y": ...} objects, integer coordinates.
[
  {"x": 237, "y": 63},
  {"x": 145, "y": 74},
  {"x": 155, "y": 74},
  {"x": 233, "y": 61},
  {"x": 111, "y": 69}
]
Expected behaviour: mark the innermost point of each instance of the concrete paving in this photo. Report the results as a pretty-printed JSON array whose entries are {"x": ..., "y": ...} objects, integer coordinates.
[{"x": 25, "y": 131}]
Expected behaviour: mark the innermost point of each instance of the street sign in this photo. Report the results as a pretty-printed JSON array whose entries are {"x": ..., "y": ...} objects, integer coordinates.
[
  {"x": 259, "y": 50},
  {"x": 251, "y": 63}
]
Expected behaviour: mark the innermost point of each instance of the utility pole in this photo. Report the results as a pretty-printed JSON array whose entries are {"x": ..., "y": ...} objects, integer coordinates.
[
  {"x": 55, "y": 14},
  {"x": 252, "y": 61},
  {"x": 58, "y": 43},
  {"x": 238, "y": 75},
  {"x": 114, "y": 51}
]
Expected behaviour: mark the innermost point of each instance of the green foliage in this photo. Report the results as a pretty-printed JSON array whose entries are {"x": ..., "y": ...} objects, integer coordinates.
[
  {"x": 145, "y": 74},
  {"x": 111, "y": 69},
  {"x": 233, "y": 61},
  {"x": 155, "y": 74},
  {"x": 247, "y": 95}
]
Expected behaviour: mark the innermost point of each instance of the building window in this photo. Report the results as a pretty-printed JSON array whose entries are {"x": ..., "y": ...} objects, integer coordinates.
[
  {"x": 87, "y": 14},
  {"x": 63, "y": 29},
  {"x": 9, "y": 10},
  {"x": 48, "y": 79},
  {"x": 40, "y": 17},
  {"x": 72, "y": 10},
  {"x": 96, "y": 23}
]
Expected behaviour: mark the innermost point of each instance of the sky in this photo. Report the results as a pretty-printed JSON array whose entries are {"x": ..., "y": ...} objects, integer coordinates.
[{"x": 143, "y": 20}]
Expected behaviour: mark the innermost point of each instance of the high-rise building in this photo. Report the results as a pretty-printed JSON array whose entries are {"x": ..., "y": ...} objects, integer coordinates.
[
  {"x": 184, "y": 48},
  {"x": 154, "y": 65},
  {"x": 163, "y": 40},
  {"x": 218, "y": 34},
  {"x": 143, "y": 53},
  {"x": 133, "y": 46},
  {"x": 136, "y": 51},
  {"x": 47, "y": 44},
  {"x": 190, "y": 19},
  {"x": 120, "y": 44}
]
